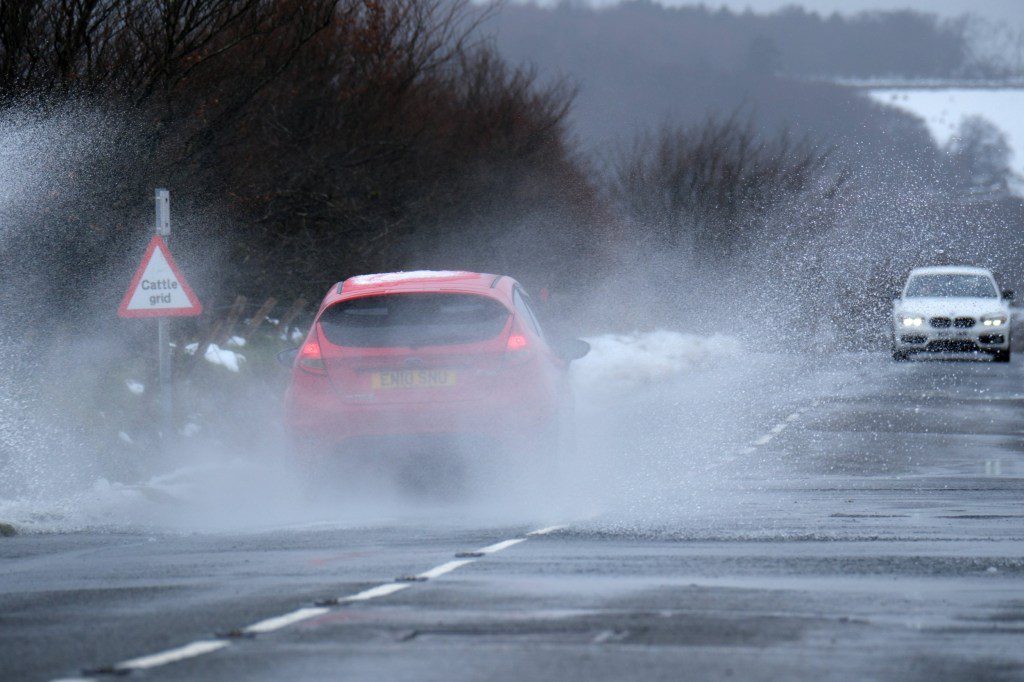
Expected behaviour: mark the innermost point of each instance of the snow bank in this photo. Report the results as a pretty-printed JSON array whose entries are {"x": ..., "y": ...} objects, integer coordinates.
[{"x": 617, "y": 360}]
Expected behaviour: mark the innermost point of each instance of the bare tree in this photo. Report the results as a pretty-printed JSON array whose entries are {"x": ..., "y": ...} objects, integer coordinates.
[
  {"x": 979, "y": 158},
  {"x": 329, "y": 136},
  {"x": 706, "y": 189}
]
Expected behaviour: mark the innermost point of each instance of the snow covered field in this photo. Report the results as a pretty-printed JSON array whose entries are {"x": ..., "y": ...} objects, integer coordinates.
[{"x": 944, "y": 109}]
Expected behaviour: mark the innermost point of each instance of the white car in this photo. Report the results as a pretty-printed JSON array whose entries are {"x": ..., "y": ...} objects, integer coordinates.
[{"x": 951, "y": 310}]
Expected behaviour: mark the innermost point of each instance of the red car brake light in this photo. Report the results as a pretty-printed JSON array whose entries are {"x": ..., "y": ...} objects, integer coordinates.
[
  {"x": 516, "y": 342},
  {"x": 517, "y": 349},
  {"x": 310, "y": 358}
]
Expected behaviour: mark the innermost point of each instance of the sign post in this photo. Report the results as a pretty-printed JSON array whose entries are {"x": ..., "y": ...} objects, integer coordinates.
[
  {"x": 159, "y": 290},
  {"x": 163, "y": 334}
]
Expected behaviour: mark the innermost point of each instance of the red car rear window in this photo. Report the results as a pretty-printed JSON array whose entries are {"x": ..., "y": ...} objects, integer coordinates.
[{"x": 410, "y": 320}]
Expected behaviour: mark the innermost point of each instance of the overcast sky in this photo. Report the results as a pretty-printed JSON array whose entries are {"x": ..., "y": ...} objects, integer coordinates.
[
  {"x": 996, "y": 9},
  {"x": 1000, "y": 10}
]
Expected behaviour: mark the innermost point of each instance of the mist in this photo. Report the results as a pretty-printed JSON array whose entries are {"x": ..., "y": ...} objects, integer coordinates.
[
  {"x": 696, "y": 296},
  {"x": 687, "y": 298},
  {"x": 634, "y": 386}
]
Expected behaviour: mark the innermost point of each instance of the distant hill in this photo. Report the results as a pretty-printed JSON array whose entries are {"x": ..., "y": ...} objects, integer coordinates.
[
  {"x": 639, "y": 65},
  {"x": 791, "y": 41}
]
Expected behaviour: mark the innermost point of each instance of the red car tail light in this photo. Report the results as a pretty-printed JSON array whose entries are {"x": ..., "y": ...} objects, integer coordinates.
[
  {"x": 310, "y": 358},
  {"x": 517, "y": 349},
  {"x": 516, "y": 342}
]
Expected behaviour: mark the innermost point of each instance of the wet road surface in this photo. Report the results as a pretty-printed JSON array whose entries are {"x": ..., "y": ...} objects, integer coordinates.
[{"x": 841, "y": 519}]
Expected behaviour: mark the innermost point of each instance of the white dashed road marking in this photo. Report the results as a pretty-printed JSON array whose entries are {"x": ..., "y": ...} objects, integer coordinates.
[
  {"x": 206, "y": 646},
  {"x": 374, "y": 592},
  {"x": 192, "y": 650},
  {"x": 772, "y": 432},
  {"x": 278, "y": 622},
  {"x": 498, "y": 546},
  {"x": 438, "y": 571},
  {"x": 544, "y": 531},
  {"x": 609, "y": 636}
]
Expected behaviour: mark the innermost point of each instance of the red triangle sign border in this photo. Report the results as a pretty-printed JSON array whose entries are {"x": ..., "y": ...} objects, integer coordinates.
[{"x": 196, "y": 308}]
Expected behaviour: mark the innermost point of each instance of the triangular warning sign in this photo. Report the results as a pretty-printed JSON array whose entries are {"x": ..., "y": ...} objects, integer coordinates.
[{"x": 158, "y": 288}]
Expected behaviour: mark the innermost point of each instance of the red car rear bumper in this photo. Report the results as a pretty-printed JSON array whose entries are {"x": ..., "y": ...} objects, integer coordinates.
[{"x": 314, "y": 410}]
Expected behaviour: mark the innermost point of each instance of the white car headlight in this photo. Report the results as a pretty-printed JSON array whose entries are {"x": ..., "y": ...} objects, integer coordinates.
[
  {"x": 911, "y": 320},
  {"x": 994, "y": 320}
]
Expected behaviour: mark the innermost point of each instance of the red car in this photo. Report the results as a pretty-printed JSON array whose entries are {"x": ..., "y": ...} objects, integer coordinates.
[{"x": 422, "y": 354}]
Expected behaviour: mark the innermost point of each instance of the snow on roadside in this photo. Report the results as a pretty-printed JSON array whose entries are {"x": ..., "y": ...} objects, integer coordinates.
[
  {"x": 617, "y": 360},
  {"x": 225, "y": 493},
  {"x": 228, "y": 359}
]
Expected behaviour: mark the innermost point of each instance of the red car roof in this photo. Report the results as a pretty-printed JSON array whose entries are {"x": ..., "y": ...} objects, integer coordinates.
[{"x": 419, "y": 280}]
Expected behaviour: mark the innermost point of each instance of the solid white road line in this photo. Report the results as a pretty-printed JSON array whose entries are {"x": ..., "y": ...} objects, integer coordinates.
[
  {"x": 779, "y": 428},
  {"x": 206, "y": 646},
  {"x": 203, "y": 646},
  {"x": 765, "y": 439},
  {"x": 278, "y": 622},
  {"x": 793, "y": 417}
]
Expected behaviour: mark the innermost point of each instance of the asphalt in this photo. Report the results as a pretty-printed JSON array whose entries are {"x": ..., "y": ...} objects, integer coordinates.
[{"x": 878, "y": 533}]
